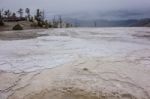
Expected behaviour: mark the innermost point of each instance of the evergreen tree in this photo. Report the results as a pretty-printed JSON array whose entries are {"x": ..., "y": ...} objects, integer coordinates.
[
  {"x": 28, "y": 13},
  {"x": 13, "y": 15},
  {"x": 1, "y": 11},
  {"x": 1, "y": 17},
  {"x": 7, "y": 13},
  {"x": 38, "y": 15},
  {"x": 20, "y": 12}
]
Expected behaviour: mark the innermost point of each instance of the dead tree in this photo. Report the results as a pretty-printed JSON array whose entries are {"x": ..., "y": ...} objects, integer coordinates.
[
  {"x": 60, "y": 22},
  {"x": 43, "y": 15},
  {"x": 55, "y": 23},
  {"x": 95, "y": 24}
]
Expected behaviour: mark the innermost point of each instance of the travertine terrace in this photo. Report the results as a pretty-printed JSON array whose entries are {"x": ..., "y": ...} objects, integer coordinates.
[{"x": 75, "y": 63}]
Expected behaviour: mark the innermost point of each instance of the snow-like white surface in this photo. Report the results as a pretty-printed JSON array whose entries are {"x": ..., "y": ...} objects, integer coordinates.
[{"x": 65, "y": 45}]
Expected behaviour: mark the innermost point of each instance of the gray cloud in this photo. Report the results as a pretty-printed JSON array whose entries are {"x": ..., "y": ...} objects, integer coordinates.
[{"x": 74, "y": 6}]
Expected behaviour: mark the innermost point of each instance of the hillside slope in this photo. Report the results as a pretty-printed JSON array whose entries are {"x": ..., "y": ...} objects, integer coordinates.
[{"x": 10, "y": 25}]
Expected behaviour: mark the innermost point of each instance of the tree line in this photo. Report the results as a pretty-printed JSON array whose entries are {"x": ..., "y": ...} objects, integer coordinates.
[{"x": 37, "y": 20}]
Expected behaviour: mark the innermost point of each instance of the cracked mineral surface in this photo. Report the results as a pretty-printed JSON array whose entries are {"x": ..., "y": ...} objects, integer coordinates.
[{"x": 75, "y": 63}]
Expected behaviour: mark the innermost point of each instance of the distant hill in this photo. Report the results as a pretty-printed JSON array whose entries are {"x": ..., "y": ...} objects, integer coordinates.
[
  {"x": 111, "y": 23},
  {"x": 142, "y": 23}
]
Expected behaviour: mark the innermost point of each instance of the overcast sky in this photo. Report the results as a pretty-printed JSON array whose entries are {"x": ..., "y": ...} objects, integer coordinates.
[{"x": 72, "y": 6}]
